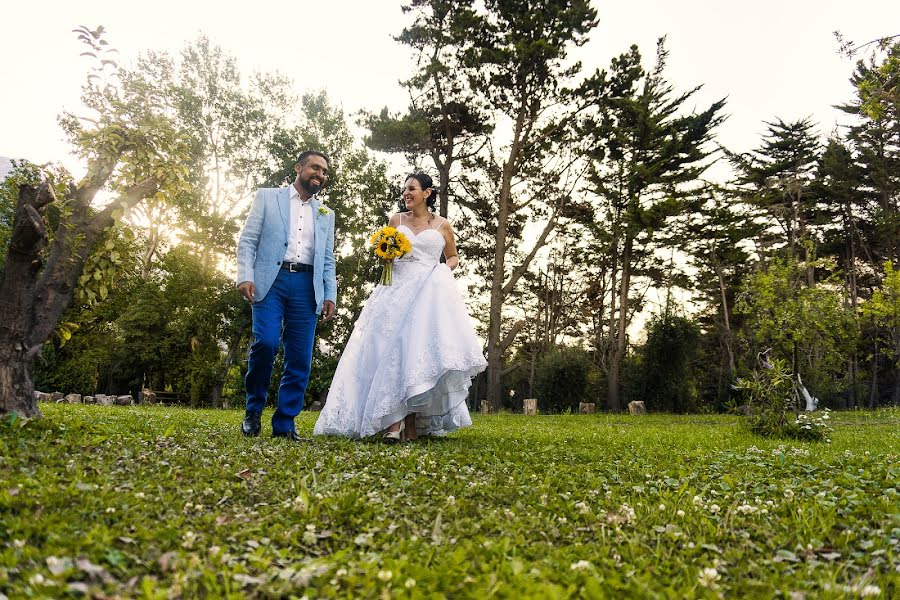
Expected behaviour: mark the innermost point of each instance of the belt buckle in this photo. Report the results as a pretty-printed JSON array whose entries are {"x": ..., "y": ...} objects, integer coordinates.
[{"x": 291, "y": 267}]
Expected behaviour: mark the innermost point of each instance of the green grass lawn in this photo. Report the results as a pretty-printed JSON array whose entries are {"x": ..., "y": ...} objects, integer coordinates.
[{"x": 160, "y": 502}]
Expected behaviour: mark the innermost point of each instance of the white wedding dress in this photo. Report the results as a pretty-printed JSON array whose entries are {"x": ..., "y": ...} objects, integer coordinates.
[{"x": 413, "y": 350}]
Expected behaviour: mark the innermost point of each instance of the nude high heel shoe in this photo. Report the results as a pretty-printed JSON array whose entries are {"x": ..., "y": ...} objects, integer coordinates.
[{"x": 395, "y": 436}]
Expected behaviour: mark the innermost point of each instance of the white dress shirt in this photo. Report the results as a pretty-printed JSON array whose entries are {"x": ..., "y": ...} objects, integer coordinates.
[{"x": 302, "y": 239}]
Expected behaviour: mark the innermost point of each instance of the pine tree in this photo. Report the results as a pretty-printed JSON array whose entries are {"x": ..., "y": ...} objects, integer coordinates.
[{"x": 646, "y": 160}]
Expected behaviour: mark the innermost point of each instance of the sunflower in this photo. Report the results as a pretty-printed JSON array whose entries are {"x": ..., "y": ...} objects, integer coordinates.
[{"x": 389, "y": 244}]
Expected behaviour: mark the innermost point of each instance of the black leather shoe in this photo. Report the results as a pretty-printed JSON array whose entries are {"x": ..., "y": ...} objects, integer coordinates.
[
  {"x": 250, "y": 426},
  {"x": 291, "y": 435}
]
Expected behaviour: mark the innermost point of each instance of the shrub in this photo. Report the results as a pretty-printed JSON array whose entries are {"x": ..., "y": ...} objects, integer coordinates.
[
  {"x": 562, "y": 378},
  {"x": 668, "y": 381},
  {"x": 773, "y": 406}
]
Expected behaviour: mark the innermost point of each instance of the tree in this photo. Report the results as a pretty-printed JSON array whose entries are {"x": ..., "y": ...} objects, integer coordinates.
[
  {"x": 645, "y": 163},
  {"x": 445, "y": 120},
  {"x": 232, "y": 122},
  {"x": 668, "y": 380},
  {"x": 133, "y": 151},
  {"x": 517, "y": 61},
  {"x": 777, "y": 178},
  {"x": 876, "y": 138},
  {"x": 883, "y": 311},
  {"x": 806, "y": 326},
  {"x": 717, "y": 245}
]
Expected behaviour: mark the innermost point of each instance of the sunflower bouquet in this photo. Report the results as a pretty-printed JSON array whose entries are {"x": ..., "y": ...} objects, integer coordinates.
[{"x": 389, "y": 244}]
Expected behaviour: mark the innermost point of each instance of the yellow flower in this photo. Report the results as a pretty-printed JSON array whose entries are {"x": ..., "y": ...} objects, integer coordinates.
[{"x": 389, "y": 243}]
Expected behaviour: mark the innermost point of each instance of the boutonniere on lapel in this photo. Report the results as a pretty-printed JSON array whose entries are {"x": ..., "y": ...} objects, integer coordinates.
[{"x": 323, "y": 211}]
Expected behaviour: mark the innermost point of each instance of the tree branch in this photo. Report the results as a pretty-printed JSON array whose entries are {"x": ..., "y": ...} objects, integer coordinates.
[
  {"x": 507, "y": 341},
  {"x": 526, "y": 262}
]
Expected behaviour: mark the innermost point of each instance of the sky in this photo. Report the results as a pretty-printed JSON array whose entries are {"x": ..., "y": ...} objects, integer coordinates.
[{"x": 769, "y": 58}]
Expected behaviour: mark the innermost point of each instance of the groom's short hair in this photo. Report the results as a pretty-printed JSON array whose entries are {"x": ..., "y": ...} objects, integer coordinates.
[{"x": 307, "y": 153}]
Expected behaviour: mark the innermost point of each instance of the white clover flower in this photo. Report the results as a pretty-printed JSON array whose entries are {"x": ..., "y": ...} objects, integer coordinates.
[
  {"x": 582, "y": 507},
  {"x": 385, "y": 575},
  {"x": 662, "y": 507},
  {"x": 714, "y": 508},
  {"x": 788, "y": 493},
  {"x": 680, "y": 513},
  {"x": 580, "y": 565},
  {"x": 410, "y": 583},
  {"x": 708, "y": 577},
  {"x": 698, "y": 500},
  {"x": 870, "y": 590}
]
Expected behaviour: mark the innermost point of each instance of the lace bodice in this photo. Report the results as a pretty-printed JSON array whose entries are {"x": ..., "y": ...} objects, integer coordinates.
[{"x": 427, "y": 246}]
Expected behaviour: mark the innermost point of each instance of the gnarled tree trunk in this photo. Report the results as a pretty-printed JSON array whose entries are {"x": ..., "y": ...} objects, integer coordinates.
[{"x": 34, "y": 293}]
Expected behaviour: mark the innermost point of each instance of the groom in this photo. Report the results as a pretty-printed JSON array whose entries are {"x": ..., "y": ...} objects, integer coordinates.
[{"x": 285, "y": 259}]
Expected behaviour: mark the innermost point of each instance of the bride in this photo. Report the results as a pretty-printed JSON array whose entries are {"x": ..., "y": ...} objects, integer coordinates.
[{"x": 408, "y": 365}]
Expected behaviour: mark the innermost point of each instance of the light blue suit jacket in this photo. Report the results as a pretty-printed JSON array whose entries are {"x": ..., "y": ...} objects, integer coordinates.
[{"x": 264, "y": 240}]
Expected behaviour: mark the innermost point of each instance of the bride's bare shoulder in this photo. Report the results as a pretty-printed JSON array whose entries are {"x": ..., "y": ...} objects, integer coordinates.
[{"x": 395, "y": 219}]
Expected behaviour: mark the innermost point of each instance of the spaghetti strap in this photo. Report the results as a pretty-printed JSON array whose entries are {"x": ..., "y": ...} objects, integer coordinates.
[{"x": 442, "y": 224}]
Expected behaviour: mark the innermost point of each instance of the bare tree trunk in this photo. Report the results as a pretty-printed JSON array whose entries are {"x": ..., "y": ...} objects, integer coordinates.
[
  {"x": 613, "y": 395},
  {"x": 722, "y": 292},
  {"x": 873, "y": 391},
  {"x": 494, "y": 351}
]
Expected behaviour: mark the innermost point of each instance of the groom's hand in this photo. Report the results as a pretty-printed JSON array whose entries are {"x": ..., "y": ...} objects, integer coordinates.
[
  {"x": 328, "y": 310},
  {"x": 247, "y": 290}
]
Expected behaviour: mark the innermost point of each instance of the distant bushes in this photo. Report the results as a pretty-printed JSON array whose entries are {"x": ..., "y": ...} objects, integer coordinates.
[
  {"x": 562, "y": 379},
  {"x": 668, "y": 380}
]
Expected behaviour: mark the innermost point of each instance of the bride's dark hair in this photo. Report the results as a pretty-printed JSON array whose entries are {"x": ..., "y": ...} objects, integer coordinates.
[{"x": 426, "y": 182}]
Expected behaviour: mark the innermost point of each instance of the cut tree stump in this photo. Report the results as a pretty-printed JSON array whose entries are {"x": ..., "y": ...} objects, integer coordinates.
[
  {"x": 529, "y": 406},
  {"x": 637, "y": 407},
  {"x": 586, "y": 408}
]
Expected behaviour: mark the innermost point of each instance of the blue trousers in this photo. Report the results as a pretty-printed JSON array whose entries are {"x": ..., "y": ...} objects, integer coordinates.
[{"x": 288, "y": 314}]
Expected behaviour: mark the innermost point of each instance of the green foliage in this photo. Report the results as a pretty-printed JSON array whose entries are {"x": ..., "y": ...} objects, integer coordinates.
[
  {"x": 161, "y": 502},
  {"x": 777, "y": 178},
  {"x": 807, "y": 324},
  {"x": 165, "y": 333},
  {"x": 883, "y": 309},
  {"x": 668, "y": 378},
  {"x": 562, "y": 379},
  {"x": 773, "y": 400}
]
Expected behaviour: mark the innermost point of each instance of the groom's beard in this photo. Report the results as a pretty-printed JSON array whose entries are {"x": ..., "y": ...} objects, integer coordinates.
[{"x": 311, "y": 188}]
